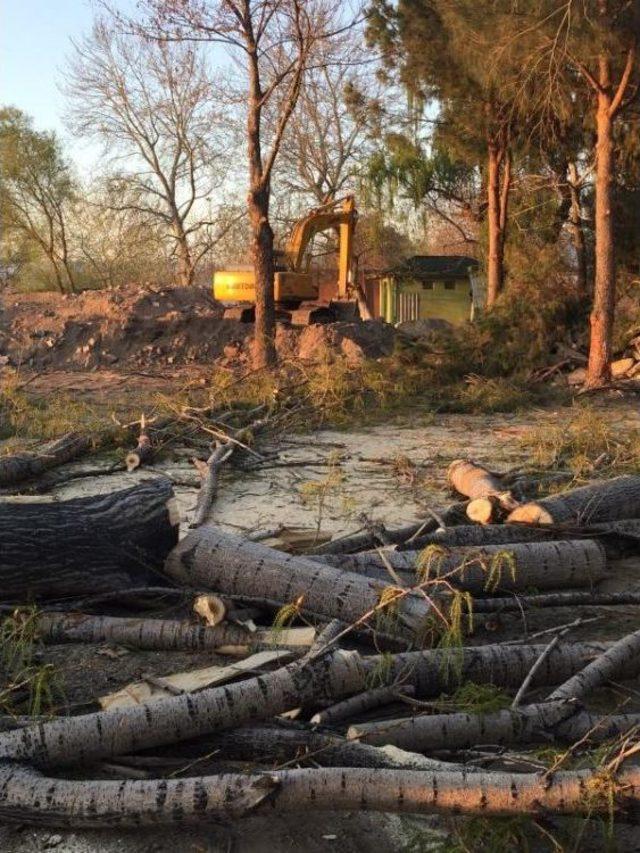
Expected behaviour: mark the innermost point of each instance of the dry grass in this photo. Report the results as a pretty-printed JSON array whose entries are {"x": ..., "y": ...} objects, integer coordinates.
[{"x": 589, "y": 443}]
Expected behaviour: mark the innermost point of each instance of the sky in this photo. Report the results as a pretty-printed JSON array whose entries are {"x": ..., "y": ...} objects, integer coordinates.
[{"x": 35, "y": 39}]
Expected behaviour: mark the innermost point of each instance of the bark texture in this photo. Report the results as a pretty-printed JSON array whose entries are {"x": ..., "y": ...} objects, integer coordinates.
[
  {"x": 546, "y": 565},
  {"x": 606, "y": 501},
  {"x": 230, "y": 565},
  {"x": 86, "y": 545},
  {"x": 162, "y": 634},
  {"x": 17, "y": 467},
  {"x": 354, "y": 706},
  {"x": 27, "y": 795}
]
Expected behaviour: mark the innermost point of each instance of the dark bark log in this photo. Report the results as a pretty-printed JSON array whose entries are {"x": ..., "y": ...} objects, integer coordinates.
[
  {"x": 86, "y": 545},
  {"x": 165, "y": 634},
  {"x": 229, "y": 565},
  {"x": 569, "y": 598},
  {"x": 28, "y": 796},
  {"x": 606, "y": 501},
  {"x": 617, "y": 537},
  {"x": 278, "y": 743},
  {"x": 546, "y": 565},
  {"x": 17, "y": 467}
]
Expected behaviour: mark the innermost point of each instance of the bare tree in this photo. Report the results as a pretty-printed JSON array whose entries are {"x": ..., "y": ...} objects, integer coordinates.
[
  {"x": 151, "y": 105},
  {"x": 325, "y": 144},
  {"x": 274, "y": 44}
]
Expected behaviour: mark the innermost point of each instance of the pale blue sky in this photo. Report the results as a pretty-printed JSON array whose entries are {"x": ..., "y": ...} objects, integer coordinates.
[{"x": 35, "y": 38}]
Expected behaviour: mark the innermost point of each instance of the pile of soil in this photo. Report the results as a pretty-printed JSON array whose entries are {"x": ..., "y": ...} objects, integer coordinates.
[{"x": 135, "y": 328}]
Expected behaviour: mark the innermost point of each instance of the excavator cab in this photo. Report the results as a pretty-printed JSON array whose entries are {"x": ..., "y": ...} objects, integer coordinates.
[{"x": 295, "y": 289}]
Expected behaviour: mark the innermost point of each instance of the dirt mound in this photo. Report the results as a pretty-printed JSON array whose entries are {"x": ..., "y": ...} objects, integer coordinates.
[{"x": 140, "y": 328}]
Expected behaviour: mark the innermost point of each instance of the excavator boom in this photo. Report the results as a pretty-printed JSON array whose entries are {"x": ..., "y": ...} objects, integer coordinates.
[{"x": 293, "y": 282}]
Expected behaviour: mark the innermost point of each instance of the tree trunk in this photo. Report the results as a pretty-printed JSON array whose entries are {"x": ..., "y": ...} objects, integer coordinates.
[
  {"x": 477, "y": 534},
  {"x": 609, "y": 500},
  {"x": 22, "y": 466},
  {"x": 545, "y": 565},
  {"x": 163, "y": 634},
  {"x": 230, "y": 565},
  {"x": 91, "y": 737},
  {"x": 528, "y": 725},
  {"x": 604, "y": 293},
  {"x": 86, "y": 545},
  {"x": 577, "y": 231},
  {"x": 28, "y": 796},
  {"x": 264, "y": 352},
  {"x": 495, "y": 248},
  {"x": 186, "y": 269},
  {"x": 570, "y": 598}
]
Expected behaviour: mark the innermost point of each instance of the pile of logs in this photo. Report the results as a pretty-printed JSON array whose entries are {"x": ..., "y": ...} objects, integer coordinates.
[{"x": 346, "y": 661}]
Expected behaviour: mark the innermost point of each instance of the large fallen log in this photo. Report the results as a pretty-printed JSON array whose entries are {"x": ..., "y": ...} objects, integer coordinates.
[
  {"x": 229, "y": 565},
  {"x": 85, "y": 545},
  {"x": 26, "y": 795},
  {"x": 16, "y": 467},
  {"x": 486, "y": 491},
  {"x": 91, "y": 737},
  {"x": 609, "y": 500},
  {"x": 545, "y": 565}
]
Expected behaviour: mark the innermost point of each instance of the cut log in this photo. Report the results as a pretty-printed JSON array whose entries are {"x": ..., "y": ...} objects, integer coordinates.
[
  {"x": 143, "y": 451},
  {"x": 229, "y": 565},
  {"x": 532, "y": 724},
  {"x": 354, "y": 706},
  {"x": 486, "y": 491},
  {"x": 161, "y": 634},
  {"x": 86, "y": 545},
  {"x": 610, "y": 500},
  {"x": 92, "y": 737},
  {"x": 545, "y": 565},
  {"x": 27, "y": 796},
  {"x": 17, "y": 467}
]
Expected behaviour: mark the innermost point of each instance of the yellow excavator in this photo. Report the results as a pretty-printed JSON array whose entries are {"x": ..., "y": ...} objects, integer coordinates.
[{"x": 295, "y": 288}]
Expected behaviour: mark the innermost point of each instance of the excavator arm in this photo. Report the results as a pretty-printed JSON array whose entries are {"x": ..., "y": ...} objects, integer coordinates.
[{"x": 340, "y": 214}]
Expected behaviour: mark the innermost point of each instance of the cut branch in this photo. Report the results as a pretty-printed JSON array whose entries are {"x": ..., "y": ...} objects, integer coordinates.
[{"x": 17, "y": 467}]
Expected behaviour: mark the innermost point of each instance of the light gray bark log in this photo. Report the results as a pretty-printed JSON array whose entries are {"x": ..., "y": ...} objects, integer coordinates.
[
  {"x": 545, "y": 565},
  {"x": 229, "y": 565},
  {"x": 28, "y": 796},
  {"x": 359, "y": 704},
  {"x": 86, "y": 545},
  {"x": 92, "y": 737},
  {"x": 542, "y": 723}
]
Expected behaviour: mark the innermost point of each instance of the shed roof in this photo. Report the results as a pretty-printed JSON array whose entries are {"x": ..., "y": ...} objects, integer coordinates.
[{"x": 440, "y": 267}]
